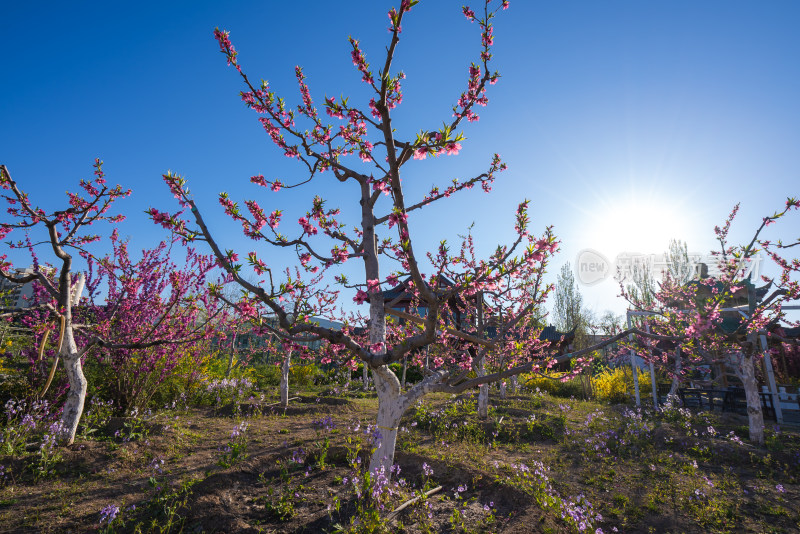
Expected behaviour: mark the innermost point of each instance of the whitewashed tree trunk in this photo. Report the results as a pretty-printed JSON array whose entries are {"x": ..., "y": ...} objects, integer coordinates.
[
  {"x": 502, "y": 386},
  {"x": 287, "y": 362},
  {"x": 480, "y": 365},
  {"x": 231, "y": 358},
  {"x": 676, "y": 381},
  {"x": 365, "y": 377},
  {"x": 755, "y": 416},
  {"x": 76, "y": 395},
  {"x": 513, "y": 385},
  {"x": 405, "y": 368},
  {"x": 483, "y": 391},
  {"x": 391, "y": 406}
]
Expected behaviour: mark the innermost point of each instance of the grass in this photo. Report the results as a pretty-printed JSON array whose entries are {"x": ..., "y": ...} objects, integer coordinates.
[{"x": 537, "y": 463}]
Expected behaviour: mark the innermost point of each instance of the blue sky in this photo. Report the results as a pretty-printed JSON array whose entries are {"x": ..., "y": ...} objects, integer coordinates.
[{"x": 625, "y": 122}]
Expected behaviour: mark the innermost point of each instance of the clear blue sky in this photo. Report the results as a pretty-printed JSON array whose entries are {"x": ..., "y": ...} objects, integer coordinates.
[{"x": 625, "y": 122}]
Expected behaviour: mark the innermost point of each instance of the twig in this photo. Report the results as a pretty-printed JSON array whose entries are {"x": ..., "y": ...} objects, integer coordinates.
[
  {"x": 274, "y": 403},
  {"x": 393, "y": 515}
]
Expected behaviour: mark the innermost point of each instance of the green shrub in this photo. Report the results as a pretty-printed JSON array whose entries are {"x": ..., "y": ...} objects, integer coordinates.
[
  {"x": 551, "y": 383},
  {"x": 188, "y": 378},
  {"x": 266, "y": 375},
  {"x": 304, "y": 374}
]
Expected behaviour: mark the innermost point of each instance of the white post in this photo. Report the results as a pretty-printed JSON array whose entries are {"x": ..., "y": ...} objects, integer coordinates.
[
  {"x": 634, "y": 367},
  {"x": 776, "y": 399}
]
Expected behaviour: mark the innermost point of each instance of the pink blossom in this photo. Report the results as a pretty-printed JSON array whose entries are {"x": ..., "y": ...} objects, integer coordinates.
[
  {"x": 259, "y": 180},
  {"x": 421, "y": 152},
  {"x": 308, "y": 228},
  {"x": 381, "y": 185},
  {"x": 361, "y": 297},
  {"x": 452, "y": 148},
  {"x": 395, "y": 218},
  {"x": 274, "y": 219}
]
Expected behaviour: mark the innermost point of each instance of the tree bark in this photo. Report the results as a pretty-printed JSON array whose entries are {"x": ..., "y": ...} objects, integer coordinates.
[
  {"x": 480, "y": 365},
  {"x": 676, "y": 380},
  {"x": 483, "y": 391},
  {"x": 287, "y": 361},
  {"x": 233, "y": 352},
  {"x": 755, "y": 416},
  {"x": 391, "y": 406},
  {"x": 76, "y": 395}
]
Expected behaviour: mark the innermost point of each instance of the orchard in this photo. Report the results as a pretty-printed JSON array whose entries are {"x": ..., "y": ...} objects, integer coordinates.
[{"x": 388, "y": 376}]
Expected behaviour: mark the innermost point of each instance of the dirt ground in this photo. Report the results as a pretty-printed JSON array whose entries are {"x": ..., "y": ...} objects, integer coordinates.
[{"x": 169, "y": 478}]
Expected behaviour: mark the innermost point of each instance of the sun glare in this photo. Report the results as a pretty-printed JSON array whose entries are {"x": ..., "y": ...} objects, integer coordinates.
[{"x": 639, "y": 225}]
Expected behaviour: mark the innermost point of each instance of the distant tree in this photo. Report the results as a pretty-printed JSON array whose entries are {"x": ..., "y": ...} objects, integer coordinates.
[
  {"x": 568, "y": 310},
  {"x": 643, "y": 286},
  {"x": 568, "y": 301},
  {"x": 679, "y": 266},
  {"x": 610, "y": 323}
]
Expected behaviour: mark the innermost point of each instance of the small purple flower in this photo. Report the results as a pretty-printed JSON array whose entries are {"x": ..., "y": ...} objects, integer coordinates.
[{"x": 108, "y": 514}]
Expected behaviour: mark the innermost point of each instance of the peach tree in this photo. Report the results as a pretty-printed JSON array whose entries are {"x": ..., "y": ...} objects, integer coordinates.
[{"x": 358, "y": 145}]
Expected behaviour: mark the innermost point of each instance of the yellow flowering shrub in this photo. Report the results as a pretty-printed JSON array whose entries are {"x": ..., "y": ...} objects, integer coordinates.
[{"x": 615, "y": 385}]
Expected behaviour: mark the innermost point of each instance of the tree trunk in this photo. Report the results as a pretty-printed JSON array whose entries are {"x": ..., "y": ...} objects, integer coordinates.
[
  {"x": 365, "y": 378},
  {"x": 405, "y": 367},
  {"x": 287, "y": 360},
  {"x": 76, "y": 395},
  {"x": 513, "y": 384},
  {"x": 233, "y": 352},
  {"x": 502, "y": 386},
  {"x": 755, "y": 416},
  {"x": 747, "y": 374},
  {"x": 676, "y": 380},
  {"x": 391, "y": 406},
  {"x": 483, "y": 390},
  {"x": 480, "y": 365}
]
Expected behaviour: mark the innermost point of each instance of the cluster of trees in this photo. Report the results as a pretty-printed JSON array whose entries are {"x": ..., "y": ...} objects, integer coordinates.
[{"x": 499, "y": 297}]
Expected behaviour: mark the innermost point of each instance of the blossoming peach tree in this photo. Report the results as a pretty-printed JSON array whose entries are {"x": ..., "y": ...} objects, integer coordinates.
[
  {"x": 359, "y": 145},
  {"x": 149, "y": 306},
  {"x": 692, "y": 315},
  {"x": 66, "y": 233},
  {"x": 146, "y": 316}
]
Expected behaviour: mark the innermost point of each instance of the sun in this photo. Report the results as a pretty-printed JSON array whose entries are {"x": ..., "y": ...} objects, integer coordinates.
[{"x": 638, "y": 225}]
